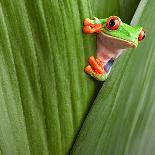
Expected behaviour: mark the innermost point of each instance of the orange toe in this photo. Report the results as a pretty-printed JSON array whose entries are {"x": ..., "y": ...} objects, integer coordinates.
[
  {"x": 91, "y": 58},
  {"x": 87, "y": 22},
  {"x": 99, "y": 62},
  {"x": 88, "y": 69},
  {"x": 88, "y": 29},
  {"x": 97, "y": 28}
]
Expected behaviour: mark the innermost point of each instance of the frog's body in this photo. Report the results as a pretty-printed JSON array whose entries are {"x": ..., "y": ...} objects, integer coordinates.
[{"x": 113, "y": 36}]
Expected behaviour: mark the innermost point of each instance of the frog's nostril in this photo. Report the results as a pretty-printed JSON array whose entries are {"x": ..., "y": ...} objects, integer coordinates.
[{"x": 141, "y": 35}]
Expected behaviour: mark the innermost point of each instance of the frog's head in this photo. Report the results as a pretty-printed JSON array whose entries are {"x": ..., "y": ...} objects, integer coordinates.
[{"x": 125, "y": 34}]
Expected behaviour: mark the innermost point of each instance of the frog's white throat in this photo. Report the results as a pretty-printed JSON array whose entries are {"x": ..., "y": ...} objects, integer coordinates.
[{"x": 109, "y": 47}]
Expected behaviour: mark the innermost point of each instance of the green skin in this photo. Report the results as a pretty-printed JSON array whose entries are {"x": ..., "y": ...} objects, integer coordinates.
[
  {"x": 125, "y": 36},
  {"x": 124, "y": 32}
]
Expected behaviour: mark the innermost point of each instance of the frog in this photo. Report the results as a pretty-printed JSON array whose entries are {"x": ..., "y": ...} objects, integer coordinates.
[{"x": 113, "y": 38}]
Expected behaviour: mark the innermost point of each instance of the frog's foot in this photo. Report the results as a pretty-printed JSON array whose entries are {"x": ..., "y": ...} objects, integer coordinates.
[
  {"x": 95, "y": 69},
  {"x": 94, "y": 28},
  {"x": 100, "y": 77},
  {"x": 96, "y": 65},
  {"x": 88, "y": 22}
]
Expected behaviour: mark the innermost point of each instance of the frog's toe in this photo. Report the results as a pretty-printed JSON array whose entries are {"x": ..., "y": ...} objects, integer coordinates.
[
  {"x": 99, "y": 62},
  {"x": 87, "y": 29},
  {"x": 88, "y": 69},
  {"x": 87, "y": 22}
]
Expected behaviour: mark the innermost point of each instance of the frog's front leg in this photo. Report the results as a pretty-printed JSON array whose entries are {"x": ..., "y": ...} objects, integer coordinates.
[
  {"x": 92, "y": 26},
  {"x": 96, "y": 69}
]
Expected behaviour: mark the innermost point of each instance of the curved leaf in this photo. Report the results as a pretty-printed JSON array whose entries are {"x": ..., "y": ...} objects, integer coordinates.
[
  {"x": 44, "y": 93},
  {"x": 121, "y": 121}
]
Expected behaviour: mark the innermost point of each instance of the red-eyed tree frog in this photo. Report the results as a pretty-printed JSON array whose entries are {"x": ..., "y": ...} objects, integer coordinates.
[{"x": 113, "y": 36}]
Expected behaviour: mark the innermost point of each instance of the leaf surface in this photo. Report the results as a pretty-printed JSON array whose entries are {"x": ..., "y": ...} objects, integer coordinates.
[
  {"x": 44, "y": 93},
  {"x": 121, "y": 121}
]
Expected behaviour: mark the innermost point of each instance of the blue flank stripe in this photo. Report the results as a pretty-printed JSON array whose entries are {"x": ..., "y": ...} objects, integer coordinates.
[{"x": 108, "y": 65}]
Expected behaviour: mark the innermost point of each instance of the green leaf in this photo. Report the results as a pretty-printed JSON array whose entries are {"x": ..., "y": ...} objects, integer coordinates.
[
  {"x": 123, "y": 8},
  {"x": 44, "y": 93},
  {"x": 121, "y": 121}
]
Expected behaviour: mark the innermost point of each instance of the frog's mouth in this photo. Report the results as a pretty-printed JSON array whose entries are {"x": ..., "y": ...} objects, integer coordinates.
[{"x": 118, "y": 43}]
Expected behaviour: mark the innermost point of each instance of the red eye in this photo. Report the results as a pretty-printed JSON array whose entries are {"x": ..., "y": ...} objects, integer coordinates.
[
  {"x": 113, "y": 23},
  {"x": 141, "y": 35}
]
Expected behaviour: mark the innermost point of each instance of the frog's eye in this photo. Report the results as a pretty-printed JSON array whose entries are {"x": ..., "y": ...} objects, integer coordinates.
[
  {"x": 113, "y": 23},
  {"x": 141, "y": 35}
]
